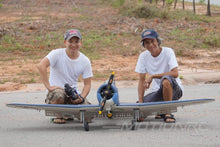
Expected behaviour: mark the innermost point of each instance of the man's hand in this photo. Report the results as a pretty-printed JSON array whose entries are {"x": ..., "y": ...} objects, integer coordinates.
[
  {"x": 141, "y": 101},
  {"x": 79, "y": 100},
  {"x": 147, "y": 82}
]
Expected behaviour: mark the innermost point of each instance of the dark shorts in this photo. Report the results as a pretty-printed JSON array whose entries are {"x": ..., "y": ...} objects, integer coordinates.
[{"x": 158, "y": 95}]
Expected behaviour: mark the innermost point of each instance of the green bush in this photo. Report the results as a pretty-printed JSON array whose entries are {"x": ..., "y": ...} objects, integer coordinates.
[
  {"x": 169, "y": 3},
  {"x": 202, "y": 1},
  {"x": 139, "y": 10},
  {"x": 212, "y": 40},
  {"x": 151, "y": 11},
  {"x": 145, "y": 11}
]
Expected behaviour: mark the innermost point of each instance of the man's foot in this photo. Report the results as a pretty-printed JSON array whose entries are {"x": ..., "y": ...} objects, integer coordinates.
[
  {"x": 169, "y": 118},
  {"x": 58, "y": 120},
  {"x": 141, "y": 119},
  {"x": 160, "y": 116}
]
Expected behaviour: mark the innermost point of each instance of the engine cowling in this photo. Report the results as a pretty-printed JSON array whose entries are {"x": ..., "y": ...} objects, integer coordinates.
[{"x": 111, "y": 94}]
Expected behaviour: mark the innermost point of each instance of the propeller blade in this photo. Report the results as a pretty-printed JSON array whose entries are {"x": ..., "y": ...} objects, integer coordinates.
[
  {"x": 102, "y": 105},
  {"x": 110, "y": 81}
]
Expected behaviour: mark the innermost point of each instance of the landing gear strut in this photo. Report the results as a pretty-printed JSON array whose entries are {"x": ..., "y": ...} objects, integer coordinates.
[
  {"x": 85, "y": 123},
  {"x": 134, "y": 121}
]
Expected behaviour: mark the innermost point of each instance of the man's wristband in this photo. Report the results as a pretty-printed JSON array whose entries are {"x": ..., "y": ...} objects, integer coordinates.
[{"x": 82, "y": 98}]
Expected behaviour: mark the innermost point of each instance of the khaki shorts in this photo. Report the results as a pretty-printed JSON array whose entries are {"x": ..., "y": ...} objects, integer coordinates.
[{"x": 58, "y": 96}]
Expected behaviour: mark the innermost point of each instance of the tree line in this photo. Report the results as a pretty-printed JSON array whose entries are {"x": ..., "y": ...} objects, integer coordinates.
[{"x": 169, "y": 2}]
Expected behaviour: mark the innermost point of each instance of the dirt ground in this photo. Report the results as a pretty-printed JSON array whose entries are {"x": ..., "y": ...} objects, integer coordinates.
[
  {"x": 193, "y": 71},
  {"x": 18, "y": 72}
]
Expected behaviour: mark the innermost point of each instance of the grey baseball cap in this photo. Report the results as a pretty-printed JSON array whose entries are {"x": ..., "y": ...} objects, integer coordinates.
[{"x": 72, "y": 33}]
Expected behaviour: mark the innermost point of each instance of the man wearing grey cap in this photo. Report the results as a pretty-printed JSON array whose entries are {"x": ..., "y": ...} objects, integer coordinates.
[
  {"x": 161, "y": 65},
  {"x": 66, "y": 65}
]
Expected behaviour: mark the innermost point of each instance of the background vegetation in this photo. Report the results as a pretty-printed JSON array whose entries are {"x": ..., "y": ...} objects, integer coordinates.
[{"x": 30, "y": 29}]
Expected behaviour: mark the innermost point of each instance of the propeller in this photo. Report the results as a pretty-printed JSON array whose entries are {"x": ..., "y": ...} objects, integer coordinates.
[{"x": 107, "y": 93}]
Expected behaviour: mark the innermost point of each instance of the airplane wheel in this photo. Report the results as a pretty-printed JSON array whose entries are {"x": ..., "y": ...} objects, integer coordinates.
[
  {"x": 109, "y": 115},
  {"x": 86, "y": 126},
  {"x": 133, "y": 124}
]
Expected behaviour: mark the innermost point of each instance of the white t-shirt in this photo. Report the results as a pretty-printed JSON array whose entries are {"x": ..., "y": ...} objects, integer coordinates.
[
  {"x": 65, "y": 70},
  {"x": 164, "y": 62}
]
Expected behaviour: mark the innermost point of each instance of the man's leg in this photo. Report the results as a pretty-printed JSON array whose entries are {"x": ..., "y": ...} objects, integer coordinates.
[
  {"x": 167, "y": 96},
  {"x": 57, "y": 97},
  {"x": 167, "y": 90}
]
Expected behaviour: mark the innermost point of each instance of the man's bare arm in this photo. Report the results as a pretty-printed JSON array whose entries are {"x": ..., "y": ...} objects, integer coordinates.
[
  {"x": 141, "y": 88},
  {"x": 86, "y": 88},
  {"x": 42, "y": 67},
  {"x": 174, "y": 72}
]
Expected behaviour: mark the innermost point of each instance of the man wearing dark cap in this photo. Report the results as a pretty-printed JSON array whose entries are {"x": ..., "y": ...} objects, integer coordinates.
[
  {"x": 162, "y": 68},
  {"x": 66, "y": 65}
]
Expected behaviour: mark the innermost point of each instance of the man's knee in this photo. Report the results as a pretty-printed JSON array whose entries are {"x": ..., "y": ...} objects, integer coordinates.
[
  {"x": 56, "y": 97},
  {"x": 166, "y": 84}
]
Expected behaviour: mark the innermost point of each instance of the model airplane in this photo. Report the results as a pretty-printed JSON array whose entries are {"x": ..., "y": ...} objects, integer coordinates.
[{"x": 110, "y": 107}]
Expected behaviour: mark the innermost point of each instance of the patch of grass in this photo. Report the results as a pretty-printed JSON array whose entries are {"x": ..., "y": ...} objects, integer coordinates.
[
  {"x": 11, "y": 43},
  {"x": 3, "y": 81},
  {"x": 15, "y": 80},
  {"x": 195, "y": 38},
  {"x": 118, "y": 3},
  {"x": 142, "y": 9},
  {"x": 41, "y": 41},
  {"x": 149, "y": 11},
  {"x": 100, "y": 75},
  {"x": 95, "y": 42},
  {"x": 84, "y": 18},
  {"x": 125, "y": 44},
  {"x": 6, "y": 58},
  {"x": 32, "y": 80},
  {"x": 48, "y": 41},
  {"x": 212, "y": 39},
  {"x": 0, "y": 4},
  {"x": 114, "y": 3}
]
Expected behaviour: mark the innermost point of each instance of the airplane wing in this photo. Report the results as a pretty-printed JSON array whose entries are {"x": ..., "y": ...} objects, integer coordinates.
[
  {"x": 123, "y": 109},
  {"x": 55, "y": 107},
  {"x": 163, "y": 107},
  {"x": 135, "y": 110}
]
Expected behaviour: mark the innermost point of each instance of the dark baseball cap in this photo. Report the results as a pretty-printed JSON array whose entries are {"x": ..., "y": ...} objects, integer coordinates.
[
  {"x": 72, "y": 33},
  {"x": 150, "y": 33}
]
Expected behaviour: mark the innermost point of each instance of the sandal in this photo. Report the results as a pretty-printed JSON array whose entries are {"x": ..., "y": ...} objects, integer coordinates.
[
  {"x": 169, "y": 116},
  {"x": 141, "y": 119},
  {"x": 161, "y": 116},
  {"x": 55, "y": 120}
]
